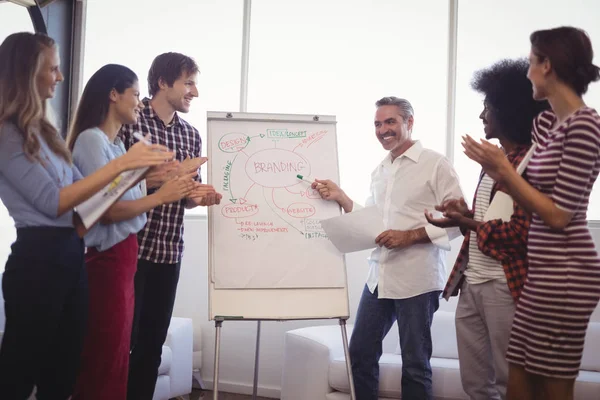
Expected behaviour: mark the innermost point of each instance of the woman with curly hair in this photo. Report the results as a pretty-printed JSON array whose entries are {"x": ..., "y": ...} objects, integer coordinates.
[
  {"x": 491, "y": 267},
  {"x": 563, "y": 282}
]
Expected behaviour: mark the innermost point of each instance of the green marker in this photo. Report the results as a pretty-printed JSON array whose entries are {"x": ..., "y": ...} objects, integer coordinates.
[{"x": 302, "y": 178}]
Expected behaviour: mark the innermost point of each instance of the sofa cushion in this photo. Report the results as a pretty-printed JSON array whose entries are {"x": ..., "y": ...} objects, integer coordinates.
[
  {"x": 390, "y": 372},
  {"x": 443, "y": 335},
  {"x": 446, "y": 377},
  {"x": 162, "y": 390},
  {"x": 591, "y": 351},
  {"x": 587, "y": 385},
  {"x": 166, "y": 360}
]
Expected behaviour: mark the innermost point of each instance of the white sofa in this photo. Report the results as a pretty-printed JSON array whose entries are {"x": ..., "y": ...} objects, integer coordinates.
[
  {"x": 175, "y": 371},
  {"x": 315, "y": 367}
]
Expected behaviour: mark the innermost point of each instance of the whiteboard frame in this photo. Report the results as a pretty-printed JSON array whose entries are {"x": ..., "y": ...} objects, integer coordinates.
[{"x": 238, "y": 304}]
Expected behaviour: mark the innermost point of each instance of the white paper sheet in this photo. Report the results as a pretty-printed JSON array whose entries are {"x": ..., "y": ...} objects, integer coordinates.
[
  {"x": 92, "y": 209},
  {"x": 354, "y": 231}
]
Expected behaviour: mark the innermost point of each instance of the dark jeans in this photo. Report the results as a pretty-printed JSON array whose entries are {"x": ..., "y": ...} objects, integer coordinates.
[
  {"x": 374, "y": 319},
  {"x": 155, "y": 289},
  {"x": 46, "y": 303}
]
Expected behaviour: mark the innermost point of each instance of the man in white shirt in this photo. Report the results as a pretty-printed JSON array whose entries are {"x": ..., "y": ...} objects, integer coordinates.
[{"x": 407, "y": 271}]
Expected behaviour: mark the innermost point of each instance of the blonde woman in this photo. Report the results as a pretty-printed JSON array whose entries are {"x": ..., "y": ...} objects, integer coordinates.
[{"x": 45, "y": 282}]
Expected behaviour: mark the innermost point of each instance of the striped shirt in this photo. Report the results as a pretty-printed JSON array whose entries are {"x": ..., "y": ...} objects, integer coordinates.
[
  {"x": 482, "y": 268},
  {"x": 161, "y": 240},
  {"x": 565, "y": 166},
  {"x": 563, "y": 281}
]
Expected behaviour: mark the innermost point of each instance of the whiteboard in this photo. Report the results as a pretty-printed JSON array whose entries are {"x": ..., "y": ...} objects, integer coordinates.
[{"x": 268, "y": 255}]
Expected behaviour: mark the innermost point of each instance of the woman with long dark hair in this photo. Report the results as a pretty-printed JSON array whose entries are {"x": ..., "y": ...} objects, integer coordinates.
[
  {"x": 111, "y": 99},
  {"x": 45, "y": 282},
  {"x": 563, "y": 281}
]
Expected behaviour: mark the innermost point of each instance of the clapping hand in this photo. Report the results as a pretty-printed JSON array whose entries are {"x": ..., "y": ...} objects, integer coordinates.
[
  {"x": 491, "y": 158},
  {"x": 205, "y": 195},
  {"x": 176, "y": 188},
  {"x": 453, "y": 211},
  {"x": 159, "y": 174}
]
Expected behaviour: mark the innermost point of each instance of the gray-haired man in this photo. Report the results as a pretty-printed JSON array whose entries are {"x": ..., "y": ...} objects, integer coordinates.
[{"x": 407, "y": 271}]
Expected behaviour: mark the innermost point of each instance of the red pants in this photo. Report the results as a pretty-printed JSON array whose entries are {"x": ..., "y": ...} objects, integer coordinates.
[{"x": 105, "y": 357}]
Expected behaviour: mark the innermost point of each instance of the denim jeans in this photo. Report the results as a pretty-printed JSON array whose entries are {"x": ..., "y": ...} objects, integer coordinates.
[{"x": 374, "y": 319}]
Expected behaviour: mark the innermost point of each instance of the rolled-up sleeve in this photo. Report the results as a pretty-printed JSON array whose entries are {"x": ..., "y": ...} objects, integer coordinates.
[
  {"x": 438, "y": 236},
  {"x": 446, "y": 186}
]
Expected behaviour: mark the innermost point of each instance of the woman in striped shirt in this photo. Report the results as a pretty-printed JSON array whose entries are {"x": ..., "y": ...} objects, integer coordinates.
[{"x": 563, "y": 284}]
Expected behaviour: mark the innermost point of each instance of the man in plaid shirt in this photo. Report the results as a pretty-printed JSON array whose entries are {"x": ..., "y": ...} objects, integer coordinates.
[
  {"x": 491, "y": 267},
  {"x": 172, "y": 84}
]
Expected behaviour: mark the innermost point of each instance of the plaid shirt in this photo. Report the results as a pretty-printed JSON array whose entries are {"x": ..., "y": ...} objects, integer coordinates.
[
  {"x": 502, "y": 241},
  {"x": 161, "y": 240}
]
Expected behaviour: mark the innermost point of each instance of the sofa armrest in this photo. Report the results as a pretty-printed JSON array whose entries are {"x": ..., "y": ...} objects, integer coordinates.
[
  {"x": 180, "y": 341},
  {"x": 307, "y": 355}
]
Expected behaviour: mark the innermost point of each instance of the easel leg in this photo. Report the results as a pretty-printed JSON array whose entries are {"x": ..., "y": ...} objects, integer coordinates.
[
  {"x": 347, "y": 356},
  {"x": 218, "y": 324},
  {"x": 256, "y": 355}
]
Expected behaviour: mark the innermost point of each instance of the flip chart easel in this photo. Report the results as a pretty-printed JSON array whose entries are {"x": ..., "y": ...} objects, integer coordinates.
[{"x": 269, "y": 259}]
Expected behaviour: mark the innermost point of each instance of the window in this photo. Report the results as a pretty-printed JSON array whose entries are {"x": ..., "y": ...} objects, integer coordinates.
[
  {"x": 489, "y": 31},
  {"x": 338, "y": 57},
  {"x": 208, "y": 31},
  {"x": 13, "y": 18}
]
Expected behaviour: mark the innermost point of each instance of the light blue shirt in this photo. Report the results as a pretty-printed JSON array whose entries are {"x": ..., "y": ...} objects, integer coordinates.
[
  {"x": 30, "y": 189},
  {"x": 92, "y": 151}
]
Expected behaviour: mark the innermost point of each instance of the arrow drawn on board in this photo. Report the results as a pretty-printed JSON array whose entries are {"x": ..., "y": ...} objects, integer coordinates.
[
  {"x": 231, "y": 198},
  {"x": 298, "y": 145},
  {"x": 262, "y": 135},
  {"x": 300, "y": 193},
  {"x": 276, "y": 213},
  {"x": 243, "y": 199},
  {"x": 273, "y": 198}
]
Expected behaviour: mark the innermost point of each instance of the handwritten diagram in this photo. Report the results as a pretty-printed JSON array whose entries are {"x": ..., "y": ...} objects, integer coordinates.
[
  {"x": 266, "y": 233},
  {"x": 260, "y": 184}
]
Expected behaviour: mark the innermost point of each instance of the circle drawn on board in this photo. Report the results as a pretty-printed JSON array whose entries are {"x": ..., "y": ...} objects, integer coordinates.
[
  {"x": 276, "y": 168},
  {"x": 233, "y": 142}
]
